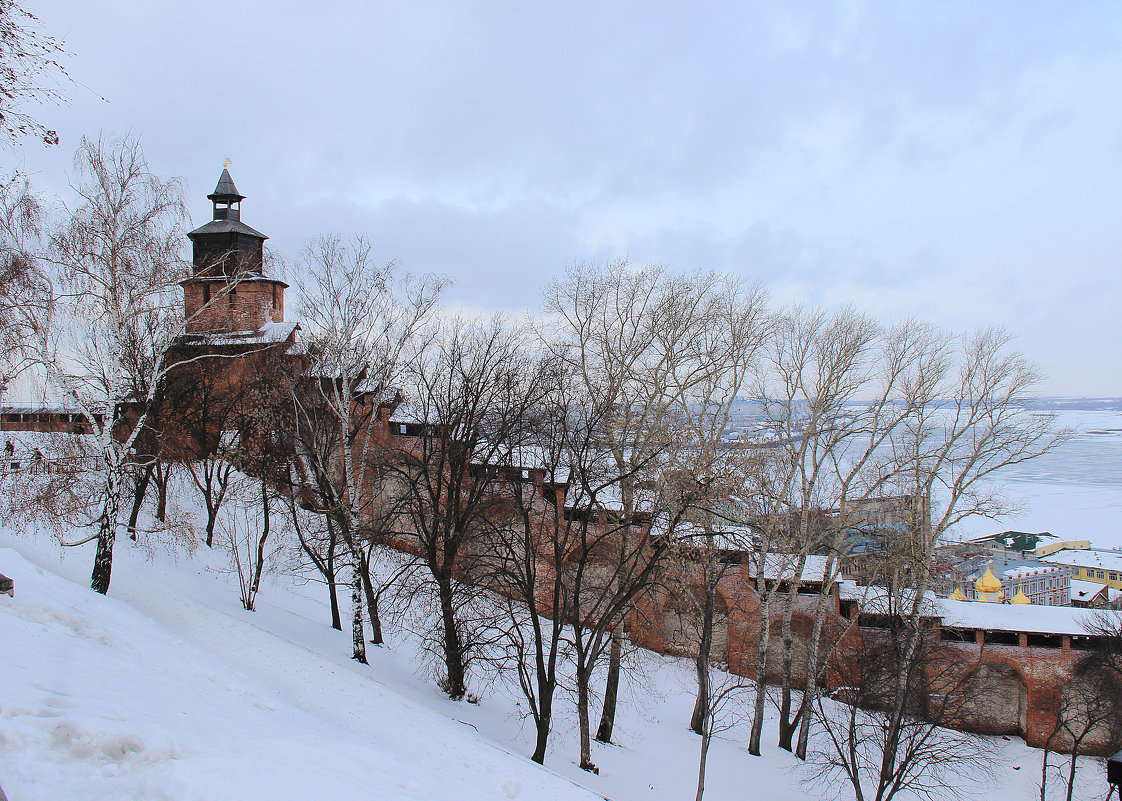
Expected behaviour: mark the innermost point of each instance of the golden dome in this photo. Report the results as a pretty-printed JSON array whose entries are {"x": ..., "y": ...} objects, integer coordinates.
[
  {"x": 1020, "y": 597},
  {"x": 988, "y": 583},
  {"x": 957, "y": 595}
]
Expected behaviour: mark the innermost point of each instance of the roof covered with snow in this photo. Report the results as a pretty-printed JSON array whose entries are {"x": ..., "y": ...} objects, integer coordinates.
[
  {"x": 1083, "y": 590},
  {"x": 876, "y": 600},
  {"x": 1028, "y": 571},
  {"x": 1098, "y": 558},
  {"x": 782, "y": 566}
]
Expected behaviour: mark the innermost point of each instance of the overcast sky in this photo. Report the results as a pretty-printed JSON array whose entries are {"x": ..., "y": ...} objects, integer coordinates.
[{"x": 956, "y": 160}]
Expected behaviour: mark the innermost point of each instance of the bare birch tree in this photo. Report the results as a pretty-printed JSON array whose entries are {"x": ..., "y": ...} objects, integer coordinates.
[
  {"x": 857, "y": 476},
  {"x": 24, "y": 288},
  {"x": 366, "y": 327},
  {"x": 1088, "y": 708},
  {"x": 522, "y": 554},
  {"x": 613, "y": 560},
  {"x": 722, "y": 712},
  {"x": 248, "y": 528},
  {"x": 834, "y": 397},
  {"x": 818, "y": 362},
  {"x": 708, "y": 471},
  {"x": 116, "y": 259},
  {"x": 861, "y": 742}
]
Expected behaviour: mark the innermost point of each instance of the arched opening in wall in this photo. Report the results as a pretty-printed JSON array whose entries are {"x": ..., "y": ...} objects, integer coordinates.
[
  {"x": 1088, "y": 712},
  {"x": 994, "y": 700},
  {"x": 682, "y": 625},
  {"x": 800, "y": 638},
  {"x": 679, "y": 627}
]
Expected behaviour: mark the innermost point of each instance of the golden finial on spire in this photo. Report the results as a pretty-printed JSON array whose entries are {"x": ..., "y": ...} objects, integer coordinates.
[{"x": 226, "y": 164}]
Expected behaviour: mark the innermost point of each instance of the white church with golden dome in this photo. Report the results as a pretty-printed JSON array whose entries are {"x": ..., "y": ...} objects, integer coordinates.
[{"x": 989, "y": 588}]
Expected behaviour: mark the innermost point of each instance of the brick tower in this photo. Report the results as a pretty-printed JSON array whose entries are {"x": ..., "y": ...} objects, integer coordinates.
[{"x": 228, "y": 291}]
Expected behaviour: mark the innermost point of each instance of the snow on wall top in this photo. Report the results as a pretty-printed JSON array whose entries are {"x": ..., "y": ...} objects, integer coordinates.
[{"x": 1027, "y": 618}]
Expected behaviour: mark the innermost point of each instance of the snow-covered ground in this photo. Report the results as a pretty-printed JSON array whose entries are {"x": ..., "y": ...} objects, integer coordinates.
[{"x": 167, "y": 689}]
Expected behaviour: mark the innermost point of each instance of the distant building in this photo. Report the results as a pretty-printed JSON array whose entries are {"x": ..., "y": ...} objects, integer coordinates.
[
  {"x": 1010, "y": 543},
  {"x": 1089, "y": 595},
  {"x": 1099, "y": 565},
  {"x": 1059, "y": 545},
  {"x": 1005, "y": 579}
]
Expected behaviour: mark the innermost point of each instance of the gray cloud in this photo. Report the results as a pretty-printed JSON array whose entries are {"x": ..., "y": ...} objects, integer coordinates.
[{"x": 956, "y": 160}]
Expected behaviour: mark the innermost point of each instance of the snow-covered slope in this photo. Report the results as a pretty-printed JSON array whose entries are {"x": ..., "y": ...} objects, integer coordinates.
[
  {"x": 168, "y": 690},
  {"x": 98, "y": 700}
]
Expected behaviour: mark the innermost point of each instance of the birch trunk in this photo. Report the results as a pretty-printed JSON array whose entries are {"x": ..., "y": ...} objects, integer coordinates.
[
  {"x": 786, "y": 726},
  {"x": 761, "y": 680},
  {"x": 810, "y": 691},
  {"x": 106, "y": 537},
  {"x": 357, "y": 638},
  {"x": 332, "y": 583}
]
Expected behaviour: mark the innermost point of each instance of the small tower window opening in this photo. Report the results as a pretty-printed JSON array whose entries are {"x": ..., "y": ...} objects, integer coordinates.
[{"x": 227, "y": 209}]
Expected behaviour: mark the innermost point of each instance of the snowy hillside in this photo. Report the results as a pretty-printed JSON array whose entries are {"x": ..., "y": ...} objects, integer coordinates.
[
  {"x": 187, "y": 702},
  {"x": 166, "y": 689}
]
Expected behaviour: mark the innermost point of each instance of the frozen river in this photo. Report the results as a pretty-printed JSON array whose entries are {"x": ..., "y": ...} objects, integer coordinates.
[{"x": 1075, "y": 492}]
